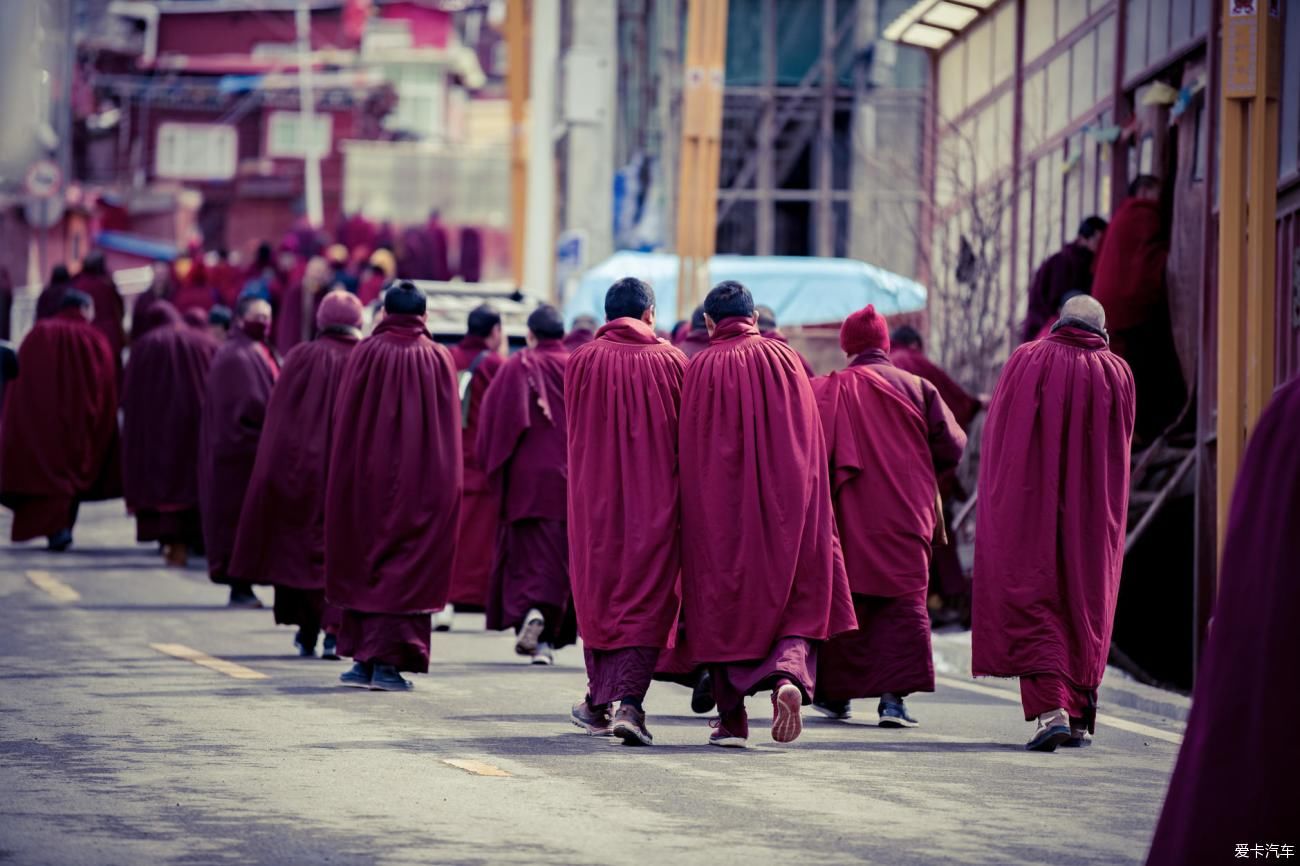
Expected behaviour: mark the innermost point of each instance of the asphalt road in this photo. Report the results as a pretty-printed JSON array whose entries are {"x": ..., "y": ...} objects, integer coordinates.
[{"x": 114, "y": 752}]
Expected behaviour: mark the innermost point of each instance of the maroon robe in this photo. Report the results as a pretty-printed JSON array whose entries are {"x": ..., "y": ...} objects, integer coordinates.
[
  {"x": 234, "y": 410},
  {"x": 162, "y": 408},
  {"x": 522, "y": 448},
  {"x": 393, "y": 491},
  {"x": 775, "y": 334},
  {"x": 1237, "y": 768},
  {"x": 109, "y": 309},
  {"x": 947, "y": 575},
  {"x": 1063, "y": 272},
  {"x": 1054, "y": 485},
  {"x": 761, "y": 560},
  {"x": 888, "y": 434},
  {"x": 472, "y": 572},
  {"x": 695, "y": 341},
  {"x": 281, "y": 537},
  {"x": 623, "y": 394},
  {"x": 577, "y": 338},
  {"x": 59, "y": 433}
]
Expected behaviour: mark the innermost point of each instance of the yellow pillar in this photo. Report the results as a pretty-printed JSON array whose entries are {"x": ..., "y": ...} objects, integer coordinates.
[
  {"x": 517, "y": 90},
  {"x": 697, "y": 199},
  {"x": 1247, "y": 230}
]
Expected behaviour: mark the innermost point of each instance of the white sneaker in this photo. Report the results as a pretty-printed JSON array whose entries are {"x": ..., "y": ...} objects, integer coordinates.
[
  {"x": 544, "y": 655},
  {"x": 530, "y": 633},
  {"x": 443, "y": 619}
]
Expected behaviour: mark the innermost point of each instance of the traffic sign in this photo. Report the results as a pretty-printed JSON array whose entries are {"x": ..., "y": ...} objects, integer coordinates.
[{"x": 44, "y": 179}]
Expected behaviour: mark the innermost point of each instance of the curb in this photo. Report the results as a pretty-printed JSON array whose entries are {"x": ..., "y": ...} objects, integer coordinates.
[{"x": 952, "y": 651}]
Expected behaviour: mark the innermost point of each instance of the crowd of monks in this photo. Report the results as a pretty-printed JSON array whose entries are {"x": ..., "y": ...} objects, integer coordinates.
[{"x": 703, "y": 510}]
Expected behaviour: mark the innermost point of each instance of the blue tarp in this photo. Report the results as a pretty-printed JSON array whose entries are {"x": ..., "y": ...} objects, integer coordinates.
[
  {"x": 134, "y": 245},
  {"x": 802, "y": 291}
]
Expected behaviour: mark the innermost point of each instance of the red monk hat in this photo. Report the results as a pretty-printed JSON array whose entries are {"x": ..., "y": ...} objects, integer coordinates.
[
  {"x": 339, "y": 309},
  {"x": 863, "y": 330}
]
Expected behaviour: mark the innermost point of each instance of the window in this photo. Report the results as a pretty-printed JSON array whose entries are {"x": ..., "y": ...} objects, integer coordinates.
[
  {"x": 1058, "y": 93},
  {"x": 284, "y": 134},
  {"x": 1288, "y": 159},
  {"x": 1135, "y": 39},
  {"x": 952, "y": 81},
  {"x": 1105, "y": 68},
  {"x": 1034, "y": 97},
  {"x": 1069, "y": 15},
  {"x": 1004, "y": 43},
  {"x": 979, "y": 62},
  {"x": 196, "y": 151},
  {"x": 1040, "y": 19},
  {"x": 1082, "y": 75}
]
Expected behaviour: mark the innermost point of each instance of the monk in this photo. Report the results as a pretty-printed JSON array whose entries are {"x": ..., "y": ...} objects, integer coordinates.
[
  {"x": 281, "y": 537},
  {"x": 219, "y": 319},
  {"x": 697, "y": 338},
  {"x": 234, "y": 411},
  {"x": 162, "y": 408},
  {"x": 522, "y": 446},
  {"x": 478, "y": 359},
  {"x": 582, "y": 332},
  {"x": 1130, "y": 284},
  {"x": 159, "y": 288},
  {"x": 889, "y": 435},
  {"x": 59, "y": 432},
  {"x": 949, "y": 585},
  {"x": 392, "y": 495},
  {"x": 1064, "y": 273},
  {"x": 50, "y": 301},
  {"x": 763, "y": 579},
  {"x": 1238, "y": 763},
  {"x": 623, "y": 393},
  {"x": 767, "y": 326},
  {"x": 96, "y": 281},
  {"x": 1054, "y": 484}
]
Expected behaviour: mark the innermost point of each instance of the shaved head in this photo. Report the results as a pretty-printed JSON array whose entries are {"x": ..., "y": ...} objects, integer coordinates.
[{"x": 1086, "y": 309}]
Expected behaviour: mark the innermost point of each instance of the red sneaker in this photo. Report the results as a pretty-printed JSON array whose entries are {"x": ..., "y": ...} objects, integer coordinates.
[
  {"x": 730, "y": 730},
  {"x": 787, "y": 705}
]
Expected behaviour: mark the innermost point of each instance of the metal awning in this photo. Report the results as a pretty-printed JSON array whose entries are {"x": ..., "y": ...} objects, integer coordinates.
[{"x": 932, "y": 24}]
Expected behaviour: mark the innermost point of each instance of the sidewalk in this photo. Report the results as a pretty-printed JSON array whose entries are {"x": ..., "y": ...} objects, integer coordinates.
[{"x": 952, "y": 655}]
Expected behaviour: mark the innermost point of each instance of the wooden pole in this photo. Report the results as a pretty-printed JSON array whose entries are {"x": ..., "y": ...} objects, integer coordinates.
[
  {"x": 1247, "y": 231},
  {"x": 697, "y": 199},
  {"x": 517, "y": 36}
]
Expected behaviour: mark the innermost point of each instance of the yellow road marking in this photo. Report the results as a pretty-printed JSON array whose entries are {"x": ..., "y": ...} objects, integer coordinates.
[
  {"x": 53, "y": 587},
  {"x": 478, "y": 768},
  {"x": 1102, "y": 719},
  {"x": 221, "y": 666}
]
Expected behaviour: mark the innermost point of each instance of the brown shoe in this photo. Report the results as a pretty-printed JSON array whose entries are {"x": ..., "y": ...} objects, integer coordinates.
[
  {"x": 629, "y": 726},
  {"x": 176, "y": 555},
  {"x": 593, "y": 720}
]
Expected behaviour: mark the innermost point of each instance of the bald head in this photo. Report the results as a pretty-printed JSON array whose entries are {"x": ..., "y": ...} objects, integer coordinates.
[{"x": 1086, "y": 309}]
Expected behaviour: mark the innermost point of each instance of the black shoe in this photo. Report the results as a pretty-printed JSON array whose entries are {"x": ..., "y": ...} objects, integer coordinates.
[
  {"x": 305, "y": 644},
  {"x": 387, "y": 679},
  {"x": 329, "y": 651},
  {"x": 358, "y": 677},
  {"x": 893, "y": 714},
  {"x": 1048, "y": 738},
  {"x": 60, "y": 541},
  {"x": 837, "y": 710},
  {"x": 243, "y": 597},
  {"x": 702, "y": 695}
]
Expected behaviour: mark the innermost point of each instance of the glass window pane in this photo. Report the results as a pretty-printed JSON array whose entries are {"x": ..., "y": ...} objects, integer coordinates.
[
  {"x": 1005, "y": 116},
  {"x": 737, "y": 232},
  {"x": 1158, "y": 35},
  {"x": 1135, "y": 43},
  {"x": 952, "y": 81},
  {"x": 1040, "y": 19},
  {"x": 794, "y": 228},
  {"x": 798, "y": 38},
  {"x": 1034, "y": 96},
  {"x": 979, "y": 62},
  {"x": 1105, "y": 68},
  {"x": 744, "y": 42},
  {"x": 1082, "y": 75},
  {"x": 1289, "y": 107},
  {"x": 1024, "y": 236},
  {"x": 842, "y": 149},
  {"x": 840, "y": 220},
  {"x": 1069, "y": 15},
  {"x": 1004, "y": 43},
  {"x": 986, "y": 144},
  {"x": 1058, "y": 93}
]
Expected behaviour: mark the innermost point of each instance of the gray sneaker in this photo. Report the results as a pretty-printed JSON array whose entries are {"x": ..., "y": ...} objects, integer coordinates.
[
  {"x": 530, "y": 633},
  {"x": 893, "y": 713}
]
